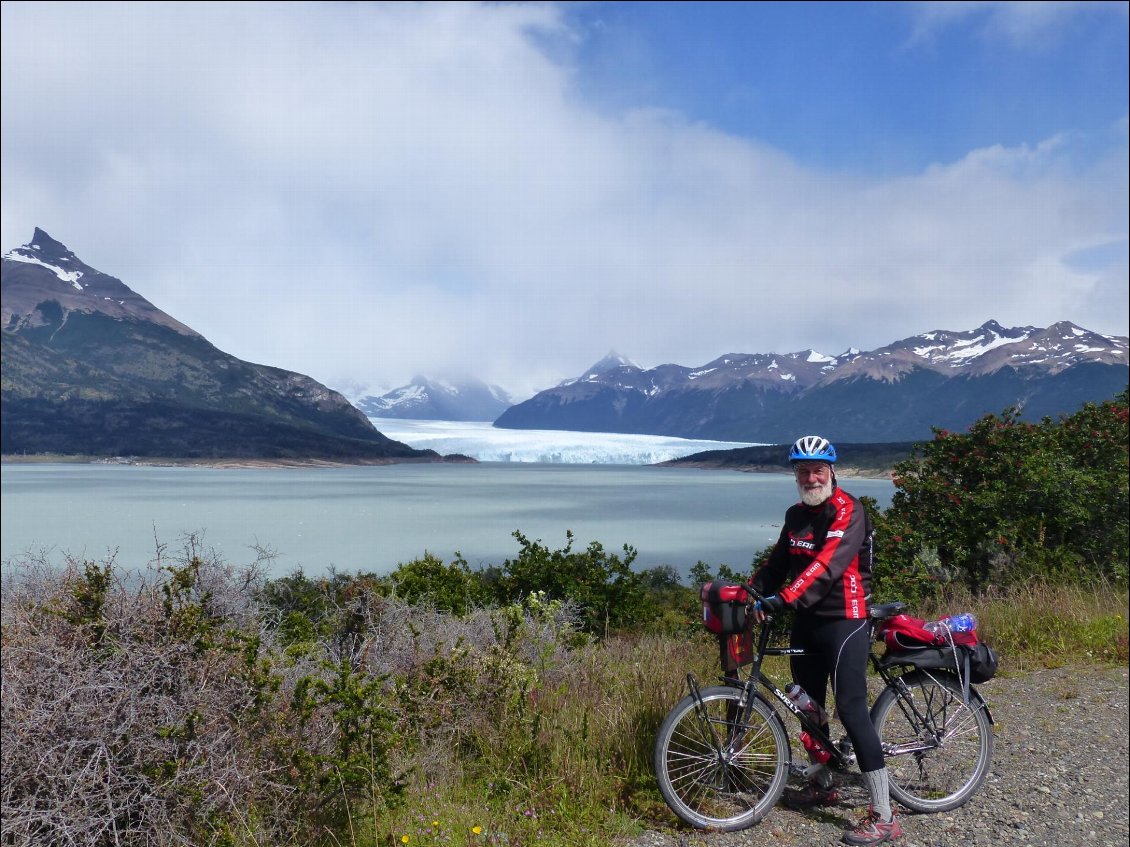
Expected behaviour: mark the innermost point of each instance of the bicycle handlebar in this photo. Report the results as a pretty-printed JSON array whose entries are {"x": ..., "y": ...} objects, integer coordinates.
[{"x": 878, "y": 612}]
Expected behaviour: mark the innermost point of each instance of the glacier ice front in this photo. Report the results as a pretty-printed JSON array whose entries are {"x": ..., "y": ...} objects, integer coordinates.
[{"x": 483, "y": 442}]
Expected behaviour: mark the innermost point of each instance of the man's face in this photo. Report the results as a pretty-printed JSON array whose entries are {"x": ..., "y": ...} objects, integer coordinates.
[{"x": 813, "y": 482}]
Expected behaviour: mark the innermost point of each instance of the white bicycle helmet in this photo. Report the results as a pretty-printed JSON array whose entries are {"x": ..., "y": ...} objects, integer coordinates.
[{"x": 812, "y": 448}]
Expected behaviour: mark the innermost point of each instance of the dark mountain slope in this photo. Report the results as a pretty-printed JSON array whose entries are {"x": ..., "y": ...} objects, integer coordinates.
[
  {"x": 893, "y": 394},
  {"x": 92, "y": 368}
]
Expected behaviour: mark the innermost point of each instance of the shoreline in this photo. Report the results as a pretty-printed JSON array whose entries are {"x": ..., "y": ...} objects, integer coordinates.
[
  {"x": 312, "y": 463},
  {"x": 843, "y": 472},
  {"x": 230, "y": 463}
]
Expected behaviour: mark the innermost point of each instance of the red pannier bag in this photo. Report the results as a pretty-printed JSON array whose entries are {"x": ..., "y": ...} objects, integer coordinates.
[
  {"x": 902, "y": 632},
  {"x": 909, "y": 642}
]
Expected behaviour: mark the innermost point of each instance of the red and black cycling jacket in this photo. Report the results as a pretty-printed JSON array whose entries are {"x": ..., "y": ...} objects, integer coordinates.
[{"x": 822, "y": 559}]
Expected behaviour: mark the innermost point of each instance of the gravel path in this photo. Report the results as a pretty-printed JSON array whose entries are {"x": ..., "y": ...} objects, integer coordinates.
[{"x": 1058, "y": 779}]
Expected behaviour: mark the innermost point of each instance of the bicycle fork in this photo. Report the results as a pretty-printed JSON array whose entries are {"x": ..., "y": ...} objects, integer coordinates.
[{"x": 724, "y": 750}]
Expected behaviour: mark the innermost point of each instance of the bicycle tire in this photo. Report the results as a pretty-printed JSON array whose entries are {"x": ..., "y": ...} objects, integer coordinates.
[
  {"x": 717, "y": 775},
  {"x": 928, "y": 776}
]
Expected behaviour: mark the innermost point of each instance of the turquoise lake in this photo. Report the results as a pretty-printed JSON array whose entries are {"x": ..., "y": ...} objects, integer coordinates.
[{"x": 372, "y": 518}]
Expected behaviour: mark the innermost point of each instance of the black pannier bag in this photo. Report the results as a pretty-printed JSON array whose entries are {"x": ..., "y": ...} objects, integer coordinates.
[
  {"x": 930, "y": 658},
  {"x": 724, "y": 606},
  {"x": 983, "y": 662},
  {"x": 978, "y": 662}
]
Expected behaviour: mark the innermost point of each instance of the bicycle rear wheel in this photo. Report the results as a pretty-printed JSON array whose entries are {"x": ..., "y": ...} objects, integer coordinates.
[
  {"x": 939, "y": 763},
  {"x": 715, "y": 772}
]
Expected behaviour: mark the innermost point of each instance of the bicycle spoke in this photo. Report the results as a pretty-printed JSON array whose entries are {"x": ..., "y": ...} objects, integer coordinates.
[
  {"x": 723, "y": 786},
  {"x": 939, "y": 751}
]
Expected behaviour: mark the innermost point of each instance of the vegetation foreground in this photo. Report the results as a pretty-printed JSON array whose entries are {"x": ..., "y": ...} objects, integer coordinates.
[{"x": 200, "y": 703}]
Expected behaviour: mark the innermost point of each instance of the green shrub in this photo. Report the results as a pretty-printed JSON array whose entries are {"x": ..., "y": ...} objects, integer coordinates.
[
  {"x": 1009, "y": 501},
  {"x": 607, "y": 592},
  {"x": 450, "y": 588}
]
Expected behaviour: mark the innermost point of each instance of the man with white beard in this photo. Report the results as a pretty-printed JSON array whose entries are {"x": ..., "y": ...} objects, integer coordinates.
[{"x": 821, "y": 568}]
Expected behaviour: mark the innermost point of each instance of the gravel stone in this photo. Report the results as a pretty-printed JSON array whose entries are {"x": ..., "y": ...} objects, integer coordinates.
[{"x": 1059, "y": 777}]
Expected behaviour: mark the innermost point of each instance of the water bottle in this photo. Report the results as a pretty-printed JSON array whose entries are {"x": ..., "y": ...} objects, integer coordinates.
[
  {"x": 964, "y": 622},
  {"x": 805, "y": 703},
  {"x": 816, "y": 752},
  {"x": 817, "y": 772}
]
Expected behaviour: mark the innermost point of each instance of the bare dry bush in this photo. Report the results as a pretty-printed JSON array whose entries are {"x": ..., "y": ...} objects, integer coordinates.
[
  {"x": 160, "y": 708},
  {"x": 130, "y": 703},
  {"x": 458, "y": 686}
]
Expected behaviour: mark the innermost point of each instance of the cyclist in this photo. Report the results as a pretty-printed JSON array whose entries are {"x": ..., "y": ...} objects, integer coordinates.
[{"x": 821, "y": 567}]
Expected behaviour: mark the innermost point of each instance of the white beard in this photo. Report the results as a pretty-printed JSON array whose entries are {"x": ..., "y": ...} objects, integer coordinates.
[{"x": 814, "y": 495}]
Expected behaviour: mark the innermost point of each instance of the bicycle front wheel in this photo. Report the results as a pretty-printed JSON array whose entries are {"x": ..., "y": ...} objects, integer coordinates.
[
  {"x": 938, "y": 752},
  {"x": 716, "y": 771}
]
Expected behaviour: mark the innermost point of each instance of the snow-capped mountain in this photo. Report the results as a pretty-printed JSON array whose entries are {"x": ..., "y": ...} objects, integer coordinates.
[
  {"x": 986, "y": 350},
  {"x": 93, "y": 368},
  {"x": 464, "y": 399},
  {"x": 895, "y": 393},
  {"x": 73, "y": 285},
  {"x": 785, "y": 372},
  {"x": 613, "y": 361}
]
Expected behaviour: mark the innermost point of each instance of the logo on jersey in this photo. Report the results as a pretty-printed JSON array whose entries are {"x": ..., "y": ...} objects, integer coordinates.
[{"x": 853, "y": 595}]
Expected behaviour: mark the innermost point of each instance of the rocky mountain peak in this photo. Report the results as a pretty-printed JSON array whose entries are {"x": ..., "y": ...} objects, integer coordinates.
[
  {"x": 897, "y": 392},
  {"x": 45, "y": 271},
  {"x": 48, "y": 247},
  {"x": 451, "y": 397},
  {"x": 609, "y": 363},
  {"x": 45, "y": 251}
]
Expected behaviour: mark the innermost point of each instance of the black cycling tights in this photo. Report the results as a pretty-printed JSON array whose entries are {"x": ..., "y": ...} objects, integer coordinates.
[{"x": 838, "y": 649}]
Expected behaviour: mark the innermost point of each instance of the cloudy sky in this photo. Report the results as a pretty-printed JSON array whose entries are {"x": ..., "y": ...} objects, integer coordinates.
[{"x": 366, "y": 191}]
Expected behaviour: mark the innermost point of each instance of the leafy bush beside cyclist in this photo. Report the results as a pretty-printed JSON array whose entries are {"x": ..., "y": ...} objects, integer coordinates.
[{"x": 1007, "y": 502}]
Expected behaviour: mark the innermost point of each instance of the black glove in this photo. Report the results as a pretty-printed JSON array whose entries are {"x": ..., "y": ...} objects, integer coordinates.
[{"x": 771, "y": 604}]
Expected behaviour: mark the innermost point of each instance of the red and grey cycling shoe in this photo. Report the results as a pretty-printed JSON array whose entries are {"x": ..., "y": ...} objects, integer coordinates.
[
  {"x": 873, "y": 830},
  {"x": 809, "y": 796}
]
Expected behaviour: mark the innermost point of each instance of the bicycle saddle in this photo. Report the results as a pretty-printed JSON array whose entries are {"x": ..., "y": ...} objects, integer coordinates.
[{"x": 887, "y": 610}]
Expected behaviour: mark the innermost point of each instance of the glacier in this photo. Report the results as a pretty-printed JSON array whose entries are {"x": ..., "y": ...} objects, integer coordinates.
[{"x": 484, "y": 442}]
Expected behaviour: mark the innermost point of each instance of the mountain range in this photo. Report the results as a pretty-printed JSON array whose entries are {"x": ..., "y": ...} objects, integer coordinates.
[
  {"x": 896, "y": 393},
  {"x": 452, "y": 399},
  {"x": 92, "y": 368}
]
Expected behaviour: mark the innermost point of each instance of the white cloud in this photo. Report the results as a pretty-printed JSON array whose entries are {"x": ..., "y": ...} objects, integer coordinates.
[
  {"x": 1033, "y": 24},
  {"x": 370, "y": 191}
]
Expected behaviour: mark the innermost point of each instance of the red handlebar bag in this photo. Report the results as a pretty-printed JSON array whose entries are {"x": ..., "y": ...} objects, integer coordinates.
[{"x": 724, "y": 606}]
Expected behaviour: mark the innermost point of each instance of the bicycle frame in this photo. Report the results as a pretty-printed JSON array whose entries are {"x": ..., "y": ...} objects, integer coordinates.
[
  {"x": 757, "y": 677},
  {"x": 723, "y": 753}
]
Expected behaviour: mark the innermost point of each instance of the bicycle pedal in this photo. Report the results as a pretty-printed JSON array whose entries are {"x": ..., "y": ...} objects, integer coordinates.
[{"x": 798, "y": 770}]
